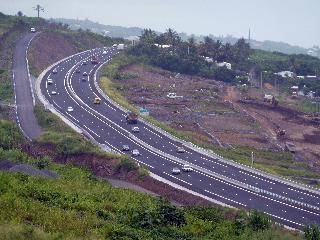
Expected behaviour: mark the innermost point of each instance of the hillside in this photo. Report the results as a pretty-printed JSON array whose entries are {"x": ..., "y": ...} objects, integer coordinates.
[
  {"x": 124, "y": 32},
  {"x": 80, "y": 203}
]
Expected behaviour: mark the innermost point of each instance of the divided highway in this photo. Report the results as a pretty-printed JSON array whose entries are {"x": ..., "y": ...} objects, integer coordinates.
[{"x": 72, "y": 95}]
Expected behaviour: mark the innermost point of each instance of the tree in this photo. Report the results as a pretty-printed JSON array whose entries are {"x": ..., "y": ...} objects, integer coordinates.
[
  {"x": 258, "y": 221},
  {"x": 20, "y": 14},
  {"x": 312, "y": 232}
]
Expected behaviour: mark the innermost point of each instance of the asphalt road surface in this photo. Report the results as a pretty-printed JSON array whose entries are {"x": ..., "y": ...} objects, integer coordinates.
[
  {"x": 23, "y": 91},
  {"x": 228, "y": 183}
]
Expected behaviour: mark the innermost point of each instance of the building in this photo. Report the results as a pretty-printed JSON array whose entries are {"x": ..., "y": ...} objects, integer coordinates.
[
  {"x": 224, "y": 64},
  {"x": 286, "y": 74}
]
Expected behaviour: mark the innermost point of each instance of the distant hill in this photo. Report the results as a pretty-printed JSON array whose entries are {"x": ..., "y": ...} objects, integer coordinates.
[
  {"x": 125, "y": 32},
  {"x": 106, "y": 30}
]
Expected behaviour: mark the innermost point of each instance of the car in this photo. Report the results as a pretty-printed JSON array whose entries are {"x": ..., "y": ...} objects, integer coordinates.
[
  {"x": 125, "y": 148},
  {"x": 53, "y": 93},
  {"x": 187, "y": 168},
  {"x": 97, "y": 100},
  {"x": 135, "y": 152},
  {"x": 54, "y": 71},
  {"x": 104, "y": 52},
  {"x": 84, "y": 63},
  {"x": 84, "y": 74},
  {"x": 70, "y": 109},
  {"x": 83, "y": 79},
  {"x": 181, "y": 150},
  {"x": 77, "y": 70},
  {"x": 32, "y": 30},
  {"x": 135, "y": 129},
  {"x": 49, "y": 81},
  {"x": 175, "y": 171}
]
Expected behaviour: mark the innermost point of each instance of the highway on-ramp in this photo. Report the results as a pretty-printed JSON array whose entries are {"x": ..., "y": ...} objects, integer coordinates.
[{"x": 212, "y": 176}]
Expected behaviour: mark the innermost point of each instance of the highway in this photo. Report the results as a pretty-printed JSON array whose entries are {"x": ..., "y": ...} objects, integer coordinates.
[{"x": 216, "y": 178}]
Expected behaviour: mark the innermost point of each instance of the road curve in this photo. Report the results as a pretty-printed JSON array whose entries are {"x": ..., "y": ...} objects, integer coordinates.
[
  {"x": 212, "y": 177},
  {"x": 23, "y": 90}
]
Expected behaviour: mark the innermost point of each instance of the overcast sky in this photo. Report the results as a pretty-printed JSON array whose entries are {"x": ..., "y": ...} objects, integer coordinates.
[{"x": 292, "y": 21}]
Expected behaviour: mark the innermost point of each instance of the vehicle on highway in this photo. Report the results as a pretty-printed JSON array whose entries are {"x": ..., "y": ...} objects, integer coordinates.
[
  {"x": 84, "y": 74},
  {"x": 54, "y": 71},
  {"x": 97, "y": 100},
  {"x": 135, "y": 129},
  {"x": 175, "y": 171},
  {"x": 125, "y": 148},
  {"x": 83, "y": 79},
  {"x": 132, "y": 118},
  {"x": 77, "y": 70},
  {"x": 70, "y": 109},
  {"x": 32, "y": 29},
  {"x": 187, "y": 168},
  {"x": 84, "y": 63},
  {"x": 49, "y": 81},
  {"x": 104, "y": 52},
  {"x": 135, "y": 152},
  {"x": 94, "y": 60},
  {"x": 181, "y": 150},
  {"x": 53, "y": 93}
]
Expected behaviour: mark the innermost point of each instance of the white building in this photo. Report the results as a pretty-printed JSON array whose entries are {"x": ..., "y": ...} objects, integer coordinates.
[
  {"x": 286, "y": 74},
  {"x": 224, "y": 64}
]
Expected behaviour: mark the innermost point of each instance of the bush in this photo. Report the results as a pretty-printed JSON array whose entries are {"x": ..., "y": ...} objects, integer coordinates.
[
  {"x": 258, "y": 221},
  {"x": 10, "y": 136},
  {"x": 126, "y": 165}
]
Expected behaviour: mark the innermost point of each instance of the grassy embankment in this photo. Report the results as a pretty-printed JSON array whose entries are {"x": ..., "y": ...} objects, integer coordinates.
[
  {"x": 279, "y": 163},
  {"x": 77, "y": 205}
]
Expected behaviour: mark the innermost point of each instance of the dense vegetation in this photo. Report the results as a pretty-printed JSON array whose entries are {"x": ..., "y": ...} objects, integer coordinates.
[{"x": 189, "y": 57}]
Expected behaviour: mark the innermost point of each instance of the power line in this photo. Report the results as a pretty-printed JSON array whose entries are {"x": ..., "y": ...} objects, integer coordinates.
[{"x": 38, "y": 8}]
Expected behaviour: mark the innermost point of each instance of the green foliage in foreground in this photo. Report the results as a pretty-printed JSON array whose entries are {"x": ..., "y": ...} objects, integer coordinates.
[
  {"x": 6, "y": 91},
  {"x": 77, "y": 205},
  {"x": 10, "y": 136}
]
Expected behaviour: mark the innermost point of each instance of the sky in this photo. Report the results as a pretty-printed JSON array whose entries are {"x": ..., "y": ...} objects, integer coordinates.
[{"x": 293, "y": 21}]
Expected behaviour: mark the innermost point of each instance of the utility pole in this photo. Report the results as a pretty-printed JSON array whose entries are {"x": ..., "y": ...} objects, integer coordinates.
[
  {"x": 252, "y": 159},
  {"x": 38, "y": 8},
  {"x": 249, "y": 37},
  {"x": 261, "y": 80}
]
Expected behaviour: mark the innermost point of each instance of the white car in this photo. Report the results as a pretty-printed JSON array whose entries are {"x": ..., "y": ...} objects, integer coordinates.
[
  {"x": 135, "y": 129},
  {"x": 180, "y": 150},
  {"x": 175, "y": 171},
  {"x": 70, "y": 109},
  {"x": 53, "y": 93},
  {"x": 32, "y": 30},
  {"x": 104, "y": 52},
  {"x": 54, "y": 71},
  {"x": 49, "y": 81},
  {"x": 187, "y": 168},
  {"x": 135, "y": 152}
]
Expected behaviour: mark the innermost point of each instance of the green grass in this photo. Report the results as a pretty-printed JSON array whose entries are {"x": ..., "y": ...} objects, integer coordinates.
[
  {"x": 301, "y": 105},
  {"x": 78, "y": 206}
]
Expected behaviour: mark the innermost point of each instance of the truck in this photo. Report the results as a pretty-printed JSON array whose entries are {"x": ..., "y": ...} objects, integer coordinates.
[
  {"x": 94, "y": 60},
  {"x": 173, "y": 95},
  {"x": 270, "y": 99},
  {"x": 132, "y": 118},
  {"x": 120, "y": 46}
]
